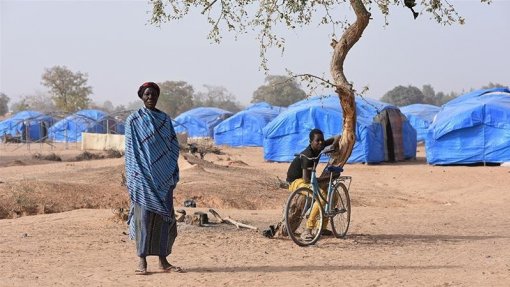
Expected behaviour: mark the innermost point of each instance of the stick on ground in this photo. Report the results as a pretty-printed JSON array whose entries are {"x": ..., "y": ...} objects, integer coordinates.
[{"x": 230, "y": 220}]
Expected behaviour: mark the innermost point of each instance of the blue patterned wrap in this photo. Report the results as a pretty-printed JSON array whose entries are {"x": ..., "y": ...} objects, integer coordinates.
[{"x": 151, "y": 153}]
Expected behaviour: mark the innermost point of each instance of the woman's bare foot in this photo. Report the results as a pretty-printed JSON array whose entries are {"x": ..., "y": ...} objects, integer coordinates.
[
  {"x": 166, "y": 266},
  {"x": 142, "y": 267}
]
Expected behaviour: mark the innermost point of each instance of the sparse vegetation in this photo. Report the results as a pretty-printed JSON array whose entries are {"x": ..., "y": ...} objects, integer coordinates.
[{"x": 52, "y": 156}]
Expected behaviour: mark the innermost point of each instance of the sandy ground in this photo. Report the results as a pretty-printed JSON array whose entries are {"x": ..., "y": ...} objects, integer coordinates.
[{"x": 412, "y": 225}]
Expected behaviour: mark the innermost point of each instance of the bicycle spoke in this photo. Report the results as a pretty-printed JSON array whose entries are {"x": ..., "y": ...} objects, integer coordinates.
[
  {"x": 341, "y": 210},
  {"x": 303, "y": 219}
]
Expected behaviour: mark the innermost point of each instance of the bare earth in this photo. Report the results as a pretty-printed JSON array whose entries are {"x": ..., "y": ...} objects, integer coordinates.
[{"x": 412, "y": 225}]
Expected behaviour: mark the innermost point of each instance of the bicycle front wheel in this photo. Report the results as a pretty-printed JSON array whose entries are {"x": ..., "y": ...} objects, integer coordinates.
[
  {"x": 303, "y": 220},
  {"x": 341, "y": 210}
]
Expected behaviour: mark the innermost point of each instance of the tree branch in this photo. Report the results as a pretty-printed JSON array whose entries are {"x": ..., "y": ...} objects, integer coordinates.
[
  {"x": 208, "y": 6},
  {"x": 315, "y": 77}
]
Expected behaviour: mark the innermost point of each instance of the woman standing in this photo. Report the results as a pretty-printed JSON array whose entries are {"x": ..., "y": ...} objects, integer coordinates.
[{"x": 152, "y": 151}]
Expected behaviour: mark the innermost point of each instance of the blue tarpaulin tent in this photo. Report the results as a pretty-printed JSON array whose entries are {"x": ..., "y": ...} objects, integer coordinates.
[
  {"x": 288, "y": 133},
  {"x": 200, "y": 122},
  {"x": 26, "y": 126},
  {"x": 70, "y": 128},
  {"x": 473, "y": 128},
  {"x": 245, "y": 127},
  {"x": 420, "y": 116}
]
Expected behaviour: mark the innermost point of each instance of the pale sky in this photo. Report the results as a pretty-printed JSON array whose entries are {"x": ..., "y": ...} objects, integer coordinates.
[{"x": 113, "y": 43}]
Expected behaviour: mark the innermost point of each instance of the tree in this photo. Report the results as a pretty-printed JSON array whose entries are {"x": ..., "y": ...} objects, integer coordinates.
[
  {"x": 403, "y": 96},
  {"x": 429, "y": 95},
  {"x": 20, "y": 106},
  {"x": 119, "y": 108},
  {"x": 264, "y": 15},
  {"x": 69, "y": 90},
  {"x": 38, "y": 102},
  {"x": 134, "y": 105},
  {"x": 279, "y": 91},
  {"x": 175, "y": 97},
  {"x": 108, "y": 106},
  {"x": 217, "y": 96},
  {"x": 491, "y": 85},
  {"x": 4, "y": 101}
]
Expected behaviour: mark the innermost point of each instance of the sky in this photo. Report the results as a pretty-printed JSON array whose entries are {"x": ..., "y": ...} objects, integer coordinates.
[{"x": 114, "y": 44}]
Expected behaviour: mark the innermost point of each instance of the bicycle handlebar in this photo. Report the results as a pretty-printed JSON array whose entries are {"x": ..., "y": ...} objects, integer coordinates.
[{"x": 327, "y": 149}]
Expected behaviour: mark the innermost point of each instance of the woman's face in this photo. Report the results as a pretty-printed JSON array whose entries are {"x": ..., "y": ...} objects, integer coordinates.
[{"x": 150, "y": 98}]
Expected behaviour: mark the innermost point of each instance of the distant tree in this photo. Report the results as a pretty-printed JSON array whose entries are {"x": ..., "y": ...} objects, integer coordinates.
[
  {"x": 4, "y": 101},
  {"x": 217, "y": 96},
  {"x": 429, "y": 95},
  {"x": 38, "y": 102},
  {"x": 95, "y": 106},
  {"x": 120, "y": 108},
  {"x": 108, "y": 106},
  {"x": 20, "y": 106},
  {"x": 445, "y": 98},
  {"x": 134, "y": 105},
  {"x": 279, "y": 91},
  {"x": 491, "y": 85},
  {"x": 176, "y": 97},
  {"x": 69, "y": 90},
  {"x": 41, "y": 102},
  {"x": 403, "y": 96}
]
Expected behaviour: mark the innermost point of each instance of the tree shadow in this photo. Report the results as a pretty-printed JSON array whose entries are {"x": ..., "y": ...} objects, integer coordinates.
[
  {"x": 416, "y": 161},
  {"x": 300, "y": 268},
  {"x": 404, "y": 239}
]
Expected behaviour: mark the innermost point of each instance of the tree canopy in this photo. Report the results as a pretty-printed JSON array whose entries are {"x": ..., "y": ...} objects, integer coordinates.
[
  {"x": 69, "y": 90},
  {"x": 217, "y": 96},
  {"x": 279, "y": 91},
  {"x": 403, "y": 96},
  {"x": 38, "y": 102},
  {"x": 264, "y": 15},
  {"x": 176, "y": 97}
]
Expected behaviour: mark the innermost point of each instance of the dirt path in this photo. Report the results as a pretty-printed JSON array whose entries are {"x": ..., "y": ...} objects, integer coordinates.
[{"x": 412, "y": 225}]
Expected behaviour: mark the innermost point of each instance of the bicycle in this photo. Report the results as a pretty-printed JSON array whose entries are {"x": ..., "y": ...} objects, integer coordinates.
[{"x": 337, "y": 207}]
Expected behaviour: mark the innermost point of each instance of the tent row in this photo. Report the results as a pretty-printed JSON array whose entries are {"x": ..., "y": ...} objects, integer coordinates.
[
  {"x": 26, "y": 126},
  {"x": 473, "y": 128},
  {"x": 383, "y": 132},
  {"x": 32, "y": 126}
]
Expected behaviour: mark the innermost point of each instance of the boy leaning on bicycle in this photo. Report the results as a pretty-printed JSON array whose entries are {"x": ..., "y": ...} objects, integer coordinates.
[{"x": 298, "y": 175}]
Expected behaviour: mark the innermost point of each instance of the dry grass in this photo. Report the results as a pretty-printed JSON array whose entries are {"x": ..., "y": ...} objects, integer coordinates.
[{"x": 51, "y": 156}]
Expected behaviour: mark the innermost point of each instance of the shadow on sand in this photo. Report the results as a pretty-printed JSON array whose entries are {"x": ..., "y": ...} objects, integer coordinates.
[
  {"x": 404, "y": 239},
  {"x": 275, "y": 269}
]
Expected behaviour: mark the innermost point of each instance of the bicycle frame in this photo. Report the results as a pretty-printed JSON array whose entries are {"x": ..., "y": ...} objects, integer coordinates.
[{"x": 317, "y": 195}]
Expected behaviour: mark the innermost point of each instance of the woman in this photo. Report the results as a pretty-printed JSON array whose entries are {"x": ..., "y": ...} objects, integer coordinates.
[{"x": 152, "y": 173}]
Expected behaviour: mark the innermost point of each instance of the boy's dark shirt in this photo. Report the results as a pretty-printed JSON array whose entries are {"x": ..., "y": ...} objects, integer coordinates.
[{"x": 297, "y": 165}]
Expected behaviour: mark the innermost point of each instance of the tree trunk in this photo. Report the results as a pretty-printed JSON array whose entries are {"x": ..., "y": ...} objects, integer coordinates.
[{"x": 343, "y": 88}]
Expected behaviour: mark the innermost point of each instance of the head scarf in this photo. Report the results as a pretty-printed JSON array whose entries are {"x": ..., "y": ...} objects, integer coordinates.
[{"x": 146, "y": 85}]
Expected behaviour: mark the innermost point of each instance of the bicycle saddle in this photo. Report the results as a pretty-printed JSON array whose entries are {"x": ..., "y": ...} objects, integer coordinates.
[{"x": 334, "y": 169}]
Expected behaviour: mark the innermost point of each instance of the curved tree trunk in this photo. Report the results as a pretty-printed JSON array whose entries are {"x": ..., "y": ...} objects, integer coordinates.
[{"x": 343, "y": 88}]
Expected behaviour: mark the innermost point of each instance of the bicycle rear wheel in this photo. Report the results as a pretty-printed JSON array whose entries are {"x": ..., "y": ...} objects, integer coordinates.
[
  {"x": 298, "y": 212},
  {"x": 340, "y": 203}
]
